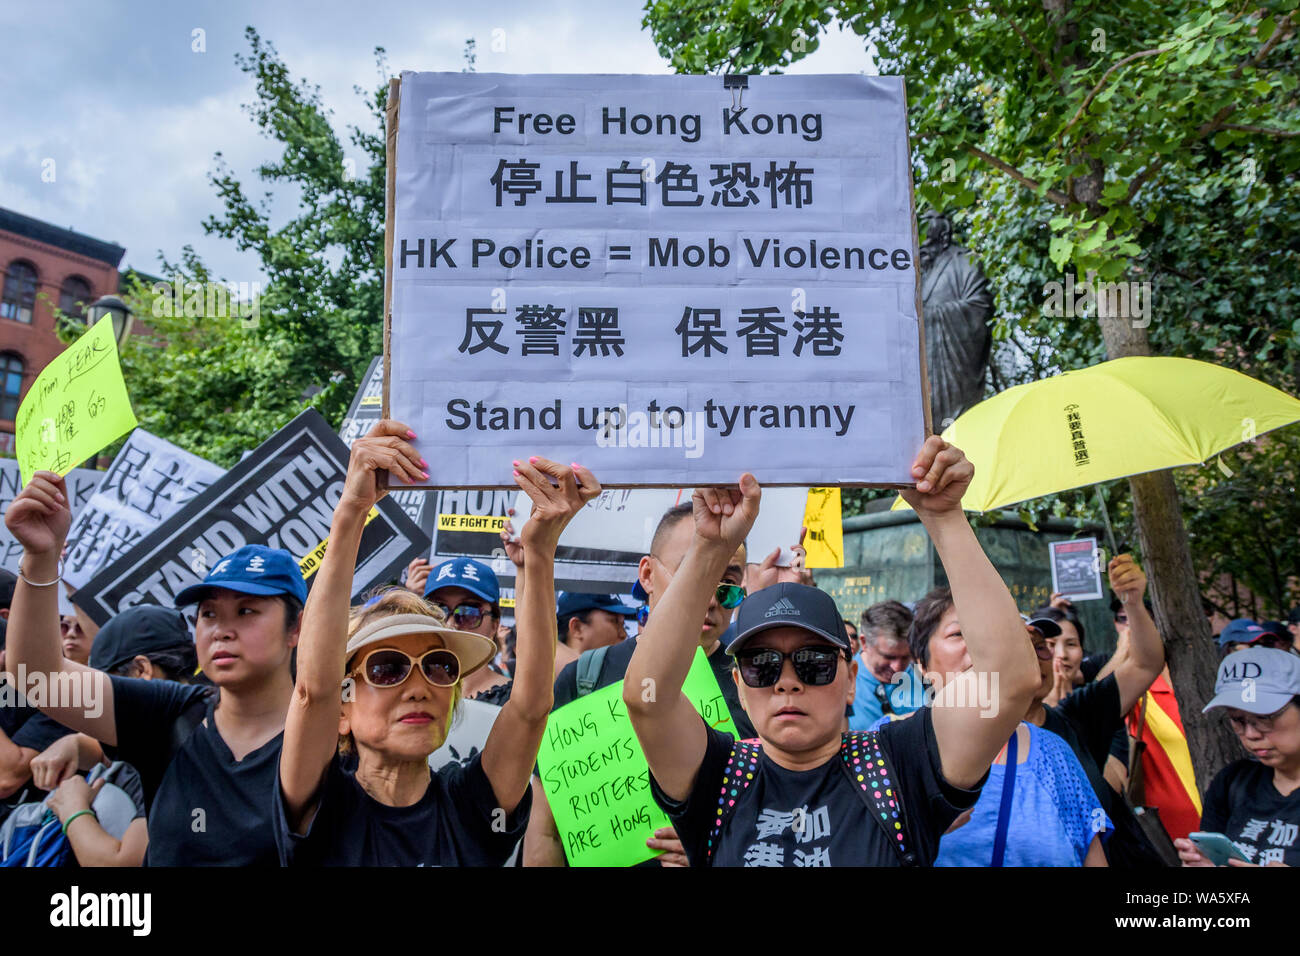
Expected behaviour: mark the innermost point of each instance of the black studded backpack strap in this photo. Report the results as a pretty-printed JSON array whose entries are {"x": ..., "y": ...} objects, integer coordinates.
[
  {"x": 742, "y": 764},
  {"x": 863, "y": 760}
]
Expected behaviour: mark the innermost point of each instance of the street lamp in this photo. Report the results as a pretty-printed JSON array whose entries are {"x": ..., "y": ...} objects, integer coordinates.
[{"x": 116, "y": 309}]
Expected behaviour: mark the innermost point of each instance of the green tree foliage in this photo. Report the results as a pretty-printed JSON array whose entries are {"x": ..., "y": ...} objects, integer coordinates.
[
  {"x": 1147, "y": 141},
  {"x": 323, "y": 308},
  {"x": 1138, "y": 141}
]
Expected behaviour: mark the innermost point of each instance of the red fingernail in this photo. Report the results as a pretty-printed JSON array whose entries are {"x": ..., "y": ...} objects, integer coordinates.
[
  {"x": 533, "y": 460},
  {"x": 423, "y": 463},
  {"x": 516, "y": 474},
  {"x": 410, "y": 434},
  {"x": 426, "y": 475},
  {"x": 574, "y": 464},
  {"x": 515, "y": 463}
]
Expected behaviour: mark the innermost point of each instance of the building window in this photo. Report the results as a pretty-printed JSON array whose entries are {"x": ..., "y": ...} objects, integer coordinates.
[
  {"x": 19, "y": 292},
  {"x": 11, "y": 367},
  {"x": 74, "y": 296}
]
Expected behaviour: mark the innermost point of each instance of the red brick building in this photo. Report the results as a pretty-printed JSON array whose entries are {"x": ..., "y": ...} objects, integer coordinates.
[{"x": 42, "y": 267}]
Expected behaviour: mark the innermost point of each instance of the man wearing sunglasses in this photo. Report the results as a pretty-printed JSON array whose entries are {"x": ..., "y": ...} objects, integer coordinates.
[
  {"x": 657, "y": 570},
  {"x": 811, "y": 796},
  {"x": 467, "y": 593}
]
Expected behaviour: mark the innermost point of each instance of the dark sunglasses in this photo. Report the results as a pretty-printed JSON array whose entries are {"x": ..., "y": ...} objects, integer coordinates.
[
  {"x": 389, "y": 667},
  {"x": 466, "y": 617},
  {"x": 815, "y": 666},
  {"x": 729, "y": 595}
]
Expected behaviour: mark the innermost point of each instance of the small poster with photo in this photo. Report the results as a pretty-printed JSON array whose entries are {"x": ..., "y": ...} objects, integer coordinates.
[{"x": 1076, "y": 569}]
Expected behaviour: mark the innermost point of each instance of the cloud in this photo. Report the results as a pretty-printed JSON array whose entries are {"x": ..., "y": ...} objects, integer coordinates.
[{"x": 132, "y": 116}]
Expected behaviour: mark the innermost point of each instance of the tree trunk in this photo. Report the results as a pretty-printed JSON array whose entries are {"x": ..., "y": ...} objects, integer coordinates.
[{"x": 1175, "y": 592}]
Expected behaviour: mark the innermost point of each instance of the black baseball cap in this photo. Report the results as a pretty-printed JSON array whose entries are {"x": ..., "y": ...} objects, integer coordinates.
[
  {"x": 1043, "y": 625},
  {"x": 789, "y": 605},
  {"x": 144, "y": 629}
]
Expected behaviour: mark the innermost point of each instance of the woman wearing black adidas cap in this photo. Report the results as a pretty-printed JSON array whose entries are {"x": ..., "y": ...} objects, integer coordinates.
[
  {"x": 400, "y": 664},
  {"x": 206, "y": 760},
  {"x": 810, "y": 795}
]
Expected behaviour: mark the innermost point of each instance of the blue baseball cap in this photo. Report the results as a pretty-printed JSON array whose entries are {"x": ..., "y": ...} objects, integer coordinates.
[
  {"x": 571, "y": 602},
  {"x": 253, "y": 569},
  {"x": 474, "y": 576},
  {"x": 1241, "y": 631},
  {"x": 639, "y": 592}
]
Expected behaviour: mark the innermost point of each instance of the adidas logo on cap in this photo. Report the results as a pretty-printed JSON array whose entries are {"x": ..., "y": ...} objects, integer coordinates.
[{"x": 783, "y": 606}]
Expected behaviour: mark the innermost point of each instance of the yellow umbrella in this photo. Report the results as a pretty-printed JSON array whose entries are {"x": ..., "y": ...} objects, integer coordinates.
[{"x": 1119, "y": 418}]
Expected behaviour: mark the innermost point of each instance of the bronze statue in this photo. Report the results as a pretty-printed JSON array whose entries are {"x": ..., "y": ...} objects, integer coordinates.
[{"x": 956, "y": 304}]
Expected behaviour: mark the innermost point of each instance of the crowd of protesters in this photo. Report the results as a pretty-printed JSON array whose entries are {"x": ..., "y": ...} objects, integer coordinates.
[{"x": 289, "y": 728}]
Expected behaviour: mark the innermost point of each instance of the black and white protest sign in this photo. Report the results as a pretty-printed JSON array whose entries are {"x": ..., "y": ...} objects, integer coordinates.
[
  {"x": 148, "y": 481},
  {"x": 601, "y": 548},
  {"x": 1076, "y": 568},
  {"x": 366, "y": 407},
  {"x": 81, "y": 484},
  {"x": 646, "y": 276},
  {"x": 282, "y": 495},
  {"x": 420, "y": 506}
]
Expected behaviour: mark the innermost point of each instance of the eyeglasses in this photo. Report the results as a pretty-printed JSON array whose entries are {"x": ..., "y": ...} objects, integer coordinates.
[
  {"x": 1263, "y": 725},
  {"x": 727, "y": 595},
  {"x": 389, "y": 667},
  {"x": 464, "y": 617},
  {"x": 815, "y": 666}
]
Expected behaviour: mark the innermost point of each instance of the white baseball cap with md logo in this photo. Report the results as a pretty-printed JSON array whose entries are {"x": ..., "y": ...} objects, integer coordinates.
[{"x": 1258, "y": 680}]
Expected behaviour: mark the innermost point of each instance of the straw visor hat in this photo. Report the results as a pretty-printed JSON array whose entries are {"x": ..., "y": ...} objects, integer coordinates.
[{"x": 473, "y": 650}]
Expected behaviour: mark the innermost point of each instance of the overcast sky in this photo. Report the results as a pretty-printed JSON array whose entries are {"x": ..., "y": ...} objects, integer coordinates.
[{"x": 131, "y": 116}]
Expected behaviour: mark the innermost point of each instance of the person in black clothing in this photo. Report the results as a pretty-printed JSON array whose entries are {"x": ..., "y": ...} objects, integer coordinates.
[
  {"x": 147, "y": 642},
  {"x": 1255, "y": 801},
  {"x": 400, "y": 666},
  {"x": 542, "y": 845},
  {"x": 206, "y": 760},
  {"x": 1089, "y": 718},
  {"x": 812, "y": 795},
  {"x": 25, "y": 733}
]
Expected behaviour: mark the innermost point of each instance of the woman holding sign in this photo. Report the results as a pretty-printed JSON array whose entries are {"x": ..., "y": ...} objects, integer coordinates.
[
  {"x": 206, "y": 757},
  {"x": 810, "y": 795},
  {"x": 400, "y": 665}
]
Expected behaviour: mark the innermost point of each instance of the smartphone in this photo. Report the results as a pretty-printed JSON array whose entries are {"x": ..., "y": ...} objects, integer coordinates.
[{"x": 1217, "y": 848}]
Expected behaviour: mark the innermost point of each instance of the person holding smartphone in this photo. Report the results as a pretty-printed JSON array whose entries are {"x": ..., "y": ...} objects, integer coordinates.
[{"x": 1255, "y": 802}]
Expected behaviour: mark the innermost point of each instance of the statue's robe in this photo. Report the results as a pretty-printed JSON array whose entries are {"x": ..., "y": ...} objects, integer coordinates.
[{"x": 956, "y": 303}]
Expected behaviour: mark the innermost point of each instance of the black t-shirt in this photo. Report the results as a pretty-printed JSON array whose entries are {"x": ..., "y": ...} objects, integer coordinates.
[
  {"x": 26, "y": 727},
  {"x": 1088, "y": 720},
  {"x": 1091, "y": 666},
  {"x": 205, "y": 807},
  {"x": 1244, "y": 805},
  {"x": 816, "y": 817},
  {"x": 455, "y": 823},
  {"x": 614, "y": 668}
]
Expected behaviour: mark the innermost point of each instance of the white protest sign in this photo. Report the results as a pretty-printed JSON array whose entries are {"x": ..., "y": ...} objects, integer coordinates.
[
  {"x": 81, "y": 484},
  {"x": 469, "y": 732},
  {"x": 641, "y": 274},
  {"x": 148, "y": 481},
  {"x": 600, "y": 548}
]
